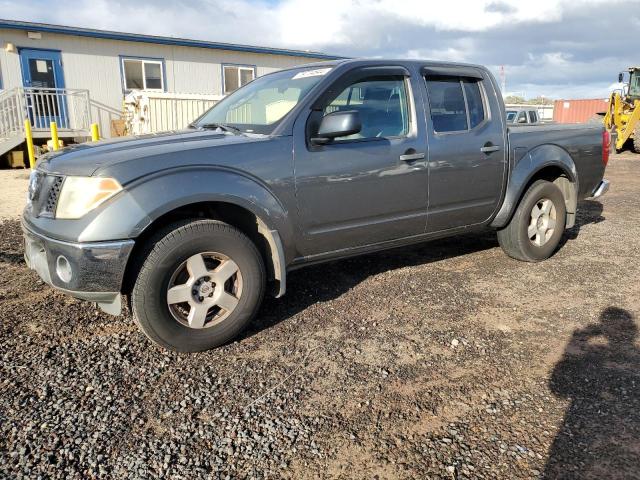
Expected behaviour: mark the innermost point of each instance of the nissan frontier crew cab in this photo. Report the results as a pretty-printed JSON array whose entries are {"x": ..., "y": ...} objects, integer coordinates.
[{"x": 300, "y": 166}]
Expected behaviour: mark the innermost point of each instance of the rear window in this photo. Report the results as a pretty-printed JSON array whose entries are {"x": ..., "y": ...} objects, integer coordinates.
[
  {"x": 448, "y": 111},
  {"x": 456, "y": 103},
  {"x": 475, "y": 105}
]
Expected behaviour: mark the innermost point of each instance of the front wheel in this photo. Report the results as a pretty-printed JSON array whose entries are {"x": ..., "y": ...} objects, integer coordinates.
[
  {"x": 199, "y": 286},
  {"x": 535, "y": 229}
]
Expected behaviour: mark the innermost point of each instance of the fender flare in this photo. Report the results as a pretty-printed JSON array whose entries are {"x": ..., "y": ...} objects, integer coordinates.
[
  {"x": 529, "y": 164},
  {"x": 168, "y": 190}
]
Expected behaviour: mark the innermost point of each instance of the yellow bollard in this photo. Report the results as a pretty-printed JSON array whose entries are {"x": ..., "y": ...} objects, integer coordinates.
[
  {"x": 54, "y": 135},
  {"x": 95, "y": 132},
  {"x": 29, "y": 138}
]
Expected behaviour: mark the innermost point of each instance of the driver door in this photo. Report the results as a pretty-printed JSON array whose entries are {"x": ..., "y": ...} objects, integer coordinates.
[{"x": 370, "y": 187}]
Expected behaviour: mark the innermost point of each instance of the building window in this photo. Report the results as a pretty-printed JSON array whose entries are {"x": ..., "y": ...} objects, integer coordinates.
[
  {"x": 235, "y": 76},
  {"x": 142, "y": 74}
]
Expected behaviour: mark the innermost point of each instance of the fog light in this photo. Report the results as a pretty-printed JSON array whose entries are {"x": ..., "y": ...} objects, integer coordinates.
[{"x": 63, "y": 269}]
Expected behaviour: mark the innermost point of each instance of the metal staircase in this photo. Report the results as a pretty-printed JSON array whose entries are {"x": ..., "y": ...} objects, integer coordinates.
[
  {"x": 11, "y": 130},
  {"x": 69, "y": 108}
]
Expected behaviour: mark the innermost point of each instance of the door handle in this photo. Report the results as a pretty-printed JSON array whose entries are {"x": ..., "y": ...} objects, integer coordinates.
[
  {"x": 410, "y": 157},
  {"x": 488, "y": 148}
]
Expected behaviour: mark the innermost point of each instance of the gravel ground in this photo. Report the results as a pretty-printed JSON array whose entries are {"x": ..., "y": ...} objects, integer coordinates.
[
  {"x": 13, "y": 192},
  {"x": 444, "y": 360}
]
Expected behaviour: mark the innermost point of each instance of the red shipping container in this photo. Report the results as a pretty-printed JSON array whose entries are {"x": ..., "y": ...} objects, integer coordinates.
[{"x": 577, "y": 111}]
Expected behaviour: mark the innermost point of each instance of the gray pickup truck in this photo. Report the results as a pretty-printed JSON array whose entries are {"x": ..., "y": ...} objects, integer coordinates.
[
  {"x": 300, "y": 166},
  {"x": 522, "y": 116}
]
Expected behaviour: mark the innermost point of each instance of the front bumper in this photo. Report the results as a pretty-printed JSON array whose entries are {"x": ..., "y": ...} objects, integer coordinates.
[{"x": 89, "y": 271}]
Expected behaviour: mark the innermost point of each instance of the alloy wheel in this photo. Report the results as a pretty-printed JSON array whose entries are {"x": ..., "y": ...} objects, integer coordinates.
[
  {"x": 204, "y": 290},
  {"x": 542, "y": 222}
]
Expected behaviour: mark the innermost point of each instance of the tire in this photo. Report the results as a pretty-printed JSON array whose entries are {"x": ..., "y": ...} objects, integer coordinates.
[
  {"x": 636, "y": 138},
  {"x": 182, "y": 257},
  {"x": 515, "y": 239}
]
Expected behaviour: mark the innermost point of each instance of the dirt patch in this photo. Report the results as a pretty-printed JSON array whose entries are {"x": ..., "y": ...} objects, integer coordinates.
[
  {"x": 13, "y": 193},
  {"x": 441, "y": 360}
]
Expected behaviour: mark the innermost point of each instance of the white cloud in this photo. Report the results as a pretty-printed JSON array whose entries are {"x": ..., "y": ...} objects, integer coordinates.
[
  {"x": 290, "y": 22},
  {"x": 458, "y": 50},
  {"x": 546, "y": 46}
]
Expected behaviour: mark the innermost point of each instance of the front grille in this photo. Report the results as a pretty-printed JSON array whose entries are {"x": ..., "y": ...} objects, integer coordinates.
[{"x": 52, "y": 199}]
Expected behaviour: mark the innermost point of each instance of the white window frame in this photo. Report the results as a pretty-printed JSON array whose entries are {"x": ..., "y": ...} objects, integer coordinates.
[
  {"x": 144, "y": 73},
  {"x": 252, "y": 68}
]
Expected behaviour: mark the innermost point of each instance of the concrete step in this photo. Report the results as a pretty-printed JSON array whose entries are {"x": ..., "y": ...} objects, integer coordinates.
[{"x": 7, "y": 144}]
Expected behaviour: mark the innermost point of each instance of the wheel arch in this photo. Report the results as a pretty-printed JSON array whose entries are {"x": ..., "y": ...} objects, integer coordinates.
[
  {"x": 266, "y": 239},
  {"x": 545, "y": 162},
  {"x": 235, "y": 199}
]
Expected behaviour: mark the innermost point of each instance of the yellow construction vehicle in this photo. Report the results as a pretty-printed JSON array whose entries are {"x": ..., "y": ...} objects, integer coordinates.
[{"x": 623, "y": 114}]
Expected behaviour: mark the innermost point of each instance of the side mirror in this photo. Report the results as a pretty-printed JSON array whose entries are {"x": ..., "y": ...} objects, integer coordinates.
[
  {"x": 620, "y": 77},
  {"x": 337, "y": 124}
]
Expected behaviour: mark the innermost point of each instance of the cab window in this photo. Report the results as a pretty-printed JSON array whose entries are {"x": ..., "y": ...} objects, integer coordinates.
[
  {"x": 456, "y": 103},
  {"x": 382, "y": 104},
  {"x": 475, "y": 105}
]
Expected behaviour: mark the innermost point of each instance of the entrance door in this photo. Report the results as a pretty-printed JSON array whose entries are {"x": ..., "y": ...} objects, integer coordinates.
[{"x": 42, "y": 76}]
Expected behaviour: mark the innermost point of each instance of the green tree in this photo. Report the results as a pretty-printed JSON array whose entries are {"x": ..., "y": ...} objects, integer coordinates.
[
  {"x": 540, "y": 101},
  {"x": 514, "y": 99}
]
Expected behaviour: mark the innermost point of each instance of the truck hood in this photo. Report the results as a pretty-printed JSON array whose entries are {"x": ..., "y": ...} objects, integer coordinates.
[{"x": 87, "y": 159}]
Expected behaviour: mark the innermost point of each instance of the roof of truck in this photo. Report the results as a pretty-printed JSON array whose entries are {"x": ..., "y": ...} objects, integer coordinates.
[{"x": 389, "y": 62}]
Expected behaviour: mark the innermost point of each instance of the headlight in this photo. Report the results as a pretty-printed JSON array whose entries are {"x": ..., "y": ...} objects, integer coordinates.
[{"x": 80, "y": 195}]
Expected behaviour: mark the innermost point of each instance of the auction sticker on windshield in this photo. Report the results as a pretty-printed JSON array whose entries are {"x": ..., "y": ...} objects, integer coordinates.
[{"x": 311, "y": 73}]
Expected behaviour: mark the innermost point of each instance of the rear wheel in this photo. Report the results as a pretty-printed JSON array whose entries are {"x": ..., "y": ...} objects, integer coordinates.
[
  {"x": 535, "y": 229},
  {"x": 199, "y": 286},
  {"x": 636, "y": 138}
]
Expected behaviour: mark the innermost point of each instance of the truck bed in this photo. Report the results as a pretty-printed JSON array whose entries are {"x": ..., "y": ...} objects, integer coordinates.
[{"x": 583, "y": 142}]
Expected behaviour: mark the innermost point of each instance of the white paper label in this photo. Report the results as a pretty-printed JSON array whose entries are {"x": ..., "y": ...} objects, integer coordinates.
[
  {"x": 41, "y": 66},
  {"x": 311, "y": 73}
]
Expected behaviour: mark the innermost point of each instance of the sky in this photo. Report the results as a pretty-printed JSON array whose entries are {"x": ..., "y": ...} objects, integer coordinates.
[{"x": 555, "y": 48}]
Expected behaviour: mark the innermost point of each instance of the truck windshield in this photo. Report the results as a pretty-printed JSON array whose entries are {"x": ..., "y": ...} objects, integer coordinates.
[
  {"x": 260, "y": 105},
  {"x": 511, "y": 116},
  {"x": 634, "y": 84}
]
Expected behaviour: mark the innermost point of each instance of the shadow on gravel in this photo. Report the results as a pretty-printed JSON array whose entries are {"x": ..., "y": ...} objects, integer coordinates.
[
  {"x": 589, "y": 211},
  {"x": 600, "y": 374},
  {"x": 328, "y": 281},
  {"x": 11, "y": 257}
]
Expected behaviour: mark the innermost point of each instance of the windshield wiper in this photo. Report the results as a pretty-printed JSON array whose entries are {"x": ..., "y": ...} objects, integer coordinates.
[{"x": 222, "y": 126}]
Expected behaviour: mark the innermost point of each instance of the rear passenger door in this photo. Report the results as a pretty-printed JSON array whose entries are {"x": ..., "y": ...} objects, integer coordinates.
[{"x": 467, "y": 158}]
